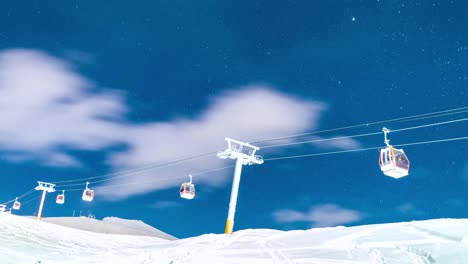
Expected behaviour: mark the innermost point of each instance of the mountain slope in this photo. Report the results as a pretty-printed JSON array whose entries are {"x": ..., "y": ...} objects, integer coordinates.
[{"x": 24, "y": 240}]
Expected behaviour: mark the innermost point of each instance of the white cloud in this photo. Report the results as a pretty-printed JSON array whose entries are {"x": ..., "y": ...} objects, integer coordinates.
[
  {"x": 61, "y": 160},
  {"x": 245, "y": 114},
  {"x": 48, "y": 108},
  {"x": 45, "y": 105},
  {"x": 326, "y": 215},
  {"x": 289, "y": 216}
]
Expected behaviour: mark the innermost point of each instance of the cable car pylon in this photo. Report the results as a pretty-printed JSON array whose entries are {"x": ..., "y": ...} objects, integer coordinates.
[
  {"x": 45, "y": 188},
  {"x": 235, "y": 151}
]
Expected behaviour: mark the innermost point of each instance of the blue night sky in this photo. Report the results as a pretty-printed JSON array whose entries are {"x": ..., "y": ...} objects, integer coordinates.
[{"x": 89, "y": 89}]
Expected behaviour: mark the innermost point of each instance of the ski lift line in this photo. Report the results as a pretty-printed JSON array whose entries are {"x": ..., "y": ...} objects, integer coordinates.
[
  {"x": 164, "y": 179},
  {"x": 208, "y": 171},
  {"x": 149, "y": 167},
  {"x": 153, "y": 180},
  {"x": 130, "y": 183},
  {"x": 364, "y": 149},
  {"x": 429, "y": 125},
  {"x": 321, "y": 140},
  {"x": 30, "y": 200},
  {"x": 21, "y": 196},
  {"x": 366, "y": 134},
  {"x": 413, "y": 117},
  {"x": 98, "y": 181},
  {"x": 270, "y": 146},
  {"x": 131, "y": 174},
  {"x": 146, "y": 168},
  {"x": 26, "y": 193},
  {"x": 422, "y": 116},
  {"x": 431, "y": 141},
  {"x": 434, "y": 116},
  {"x": 272, "y": 159},
  {"x": 322, "y": 153}
]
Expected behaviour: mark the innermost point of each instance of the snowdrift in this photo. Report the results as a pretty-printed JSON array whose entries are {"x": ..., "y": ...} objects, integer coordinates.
[{"x": 25, "y": 240}]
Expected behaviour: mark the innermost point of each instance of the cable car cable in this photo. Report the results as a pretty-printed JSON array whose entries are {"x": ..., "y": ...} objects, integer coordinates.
[
  {"x": 429, "y": 125},
  {"x": 268, "y": 146},
  {"x": 366, "y": 134},
  {"x": 288, "y": 157},
  {"x": 443, "y": 112},
  {"x": 364, "y": 149},
  {"x": 150, "y": 167},
  {"x": 409, "y": 118},
  {"x": 21, "y": 196},
  {"x": 413, "y": 117},
  {"x": 434, "y": 116},
  {"x": 269, "y": 159},
  {"x": 30, "y": 200},
  {"x": 320, "y": 140},
  {"x": 147, "y": 167},
  {"x": 153, "y": 180}
]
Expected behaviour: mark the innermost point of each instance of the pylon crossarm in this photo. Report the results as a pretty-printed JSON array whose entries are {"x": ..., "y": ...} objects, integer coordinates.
[
  {"x": 229, "y": 140},
  {"x": 224, "y": 154},
  {"x": 48, "y": 187}
]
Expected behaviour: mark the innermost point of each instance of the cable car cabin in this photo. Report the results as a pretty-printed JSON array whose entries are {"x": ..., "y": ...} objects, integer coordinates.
[
  {"x": 2, "y": 208},
  {"x": 88, "y": 195},
  {"x": 393, "y": 162},
  {"x": 187, "y": 190},
  {"x": 60, "y": 199},
  {"x": 16, "y": 205}
]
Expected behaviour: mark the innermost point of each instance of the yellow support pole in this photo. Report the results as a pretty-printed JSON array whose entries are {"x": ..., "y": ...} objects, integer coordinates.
[{"x": 229, "y": 227}]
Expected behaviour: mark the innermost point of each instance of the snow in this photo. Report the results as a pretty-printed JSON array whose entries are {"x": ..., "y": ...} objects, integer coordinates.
[
  {"x": 110, "y": 225},
  {"x": 26, "y": 240}
]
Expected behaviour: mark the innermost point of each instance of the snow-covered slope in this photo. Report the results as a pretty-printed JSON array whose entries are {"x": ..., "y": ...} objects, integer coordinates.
[
  {"x": 25, "y": 240},
  {"x": 110, "y": 225}
]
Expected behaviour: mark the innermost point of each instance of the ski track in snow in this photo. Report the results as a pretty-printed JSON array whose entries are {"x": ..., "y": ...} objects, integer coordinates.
[{"x": 25, "y": 240}]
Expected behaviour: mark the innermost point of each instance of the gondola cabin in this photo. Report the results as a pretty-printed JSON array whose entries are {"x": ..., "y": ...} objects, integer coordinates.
[
  {"x": 88, "y": 194},
  {"x": 393, "y": 162},
  {"x": 187, "y": 190},
  {"x": 16, "y": 205},
  {"x": 2, "y": 208},
  {"x": 60, "y": 199}
]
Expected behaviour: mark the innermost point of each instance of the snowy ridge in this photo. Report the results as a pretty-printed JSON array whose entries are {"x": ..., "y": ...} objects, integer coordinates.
[
  {"x": 110, "y": 225},
  {"x": 25, "y": 240}
]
